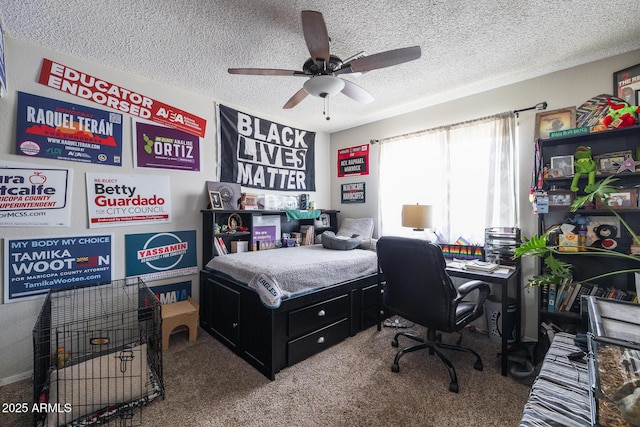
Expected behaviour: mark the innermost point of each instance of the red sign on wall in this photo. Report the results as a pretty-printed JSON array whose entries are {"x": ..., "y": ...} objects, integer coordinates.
[
  {"x": 83, "y": 85},
  {"x": 353, "y": 161}
]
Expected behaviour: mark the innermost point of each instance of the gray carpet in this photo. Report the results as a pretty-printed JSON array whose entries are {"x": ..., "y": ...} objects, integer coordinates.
[{"x": 350, "y": 384}]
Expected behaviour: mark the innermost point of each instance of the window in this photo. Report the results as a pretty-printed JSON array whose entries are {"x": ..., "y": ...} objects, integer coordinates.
[{"x": 465, "y": 171}]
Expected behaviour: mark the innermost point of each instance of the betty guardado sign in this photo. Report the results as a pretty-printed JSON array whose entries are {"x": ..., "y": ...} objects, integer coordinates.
[
  {"x": 155, "y": 256},
  {"x": 33, "y": 266},
  {"x": 34, "y": 196},
  {"x": 117, "y": 200}
]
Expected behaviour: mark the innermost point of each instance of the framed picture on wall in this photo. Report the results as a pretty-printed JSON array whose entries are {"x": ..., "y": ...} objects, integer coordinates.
[
  {"x": 563, "y": 165},
  {"x": 625, "y": 84},
  {"x": 555, "y": 120}
]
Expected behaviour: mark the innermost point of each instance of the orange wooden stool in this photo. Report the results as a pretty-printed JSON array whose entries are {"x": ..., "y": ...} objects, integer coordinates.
[{"x": 183, "y": 313}]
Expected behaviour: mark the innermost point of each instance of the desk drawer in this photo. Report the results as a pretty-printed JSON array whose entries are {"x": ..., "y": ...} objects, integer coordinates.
[
  {"x": 317, "y": 315},
  {"x": 315, "y": 342}
]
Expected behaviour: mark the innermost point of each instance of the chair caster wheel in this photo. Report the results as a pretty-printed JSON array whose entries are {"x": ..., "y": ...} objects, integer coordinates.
[
  {"x": 453, "y": 387},
  {"x": 478, "y": 365},
  {"x": 394, "y": 343},
  {"x": 395, "y": 368}
]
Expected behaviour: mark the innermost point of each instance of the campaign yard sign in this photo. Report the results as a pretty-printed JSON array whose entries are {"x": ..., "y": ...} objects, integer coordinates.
[
  {"x": 174, "y": 292},
  {"x": 155, "y": 256},
  {"x": 353, "y": 161},
  {"x": 115, "y": 199},
  {"x": 165, "y": 148},
  {"x": 33, "y": 266},
  {"x": 34, "y": 196},
  {"x": 59, "y": 130},
  {"x": 257, "y": 153}
]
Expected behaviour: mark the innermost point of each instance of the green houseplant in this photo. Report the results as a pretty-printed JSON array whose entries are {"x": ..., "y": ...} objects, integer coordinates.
[{"x": 560, "y": 272}]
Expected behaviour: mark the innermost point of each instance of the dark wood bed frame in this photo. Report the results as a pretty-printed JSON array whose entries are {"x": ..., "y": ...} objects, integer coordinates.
[{"x": 272, "y": 339}]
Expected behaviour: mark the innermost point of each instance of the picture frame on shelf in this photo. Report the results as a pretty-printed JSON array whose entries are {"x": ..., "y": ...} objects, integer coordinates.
[
  {"x": 233, "y": 222},
  {"x": 561, "y": 166},
  {"x": 625, "y": 84},
  {"x": 215, "y": 200},
  {"x": 624, "y": 198},
  {"x": 610, "y": 162},
  {"x": 560, "y": 199},
  {"x": 555, "y": 120}
]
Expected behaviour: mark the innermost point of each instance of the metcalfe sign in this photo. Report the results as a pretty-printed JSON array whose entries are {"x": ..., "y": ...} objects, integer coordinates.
[{"x": 82, "y": 85}]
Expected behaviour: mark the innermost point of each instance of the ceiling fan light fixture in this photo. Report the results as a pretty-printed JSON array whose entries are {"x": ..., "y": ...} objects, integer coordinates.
[{"x": 323, "y": 86}]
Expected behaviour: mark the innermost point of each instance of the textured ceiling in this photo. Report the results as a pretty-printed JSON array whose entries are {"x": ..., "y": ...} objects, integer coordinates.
[{"x": 467, "y": 46}]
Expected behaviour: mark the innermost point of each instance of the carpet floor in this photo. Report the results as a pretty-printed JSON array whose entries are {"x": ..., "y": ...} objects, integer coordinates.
[{"x": 349, "y": 384}]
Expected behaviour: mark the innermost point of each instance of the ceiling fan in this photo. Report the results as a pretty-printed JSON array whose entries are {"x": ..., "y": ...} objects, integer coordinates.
[{"x": 322, "y": 68}]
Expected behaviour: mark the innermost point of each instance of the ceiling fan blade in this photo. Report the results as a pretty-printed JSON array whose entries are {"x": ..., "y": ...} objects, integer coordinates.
[
  {"x": 265, "y": 72},
  {"x": 316, "y": 37},
  {"x": 296, "y": 98},
  {"x": 381, "y": 60},
  {"x": 355, "y": 92}
]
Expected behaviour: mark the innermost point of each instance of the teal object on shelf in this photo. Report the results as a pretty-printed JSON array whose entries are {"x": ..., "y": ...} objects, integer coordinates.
[{"x": 298, "y": 214}]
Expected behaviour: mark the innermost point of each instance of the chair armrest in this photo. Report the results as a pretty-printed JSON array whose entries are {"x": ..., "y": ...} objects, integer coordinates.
[{"x": 466, "y": 288}]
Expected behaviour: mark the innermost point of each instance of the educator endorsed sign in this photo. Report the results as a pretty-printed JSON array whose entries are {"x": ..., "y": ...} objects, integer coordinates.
[
  {"x": 33, "y": 266},
  {"x": 257, "y": 153},
  {"x": 82, "y": 85},
  {"x": 115, "y": 200}
]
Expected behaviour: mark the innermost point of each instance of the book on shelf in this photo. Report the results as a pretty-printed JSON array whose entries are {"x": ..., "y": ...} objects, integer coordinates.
[
  {"x": 584, "y": 290},
  {"x": 308, "y": 234},
  {"x": 221, "y": 248},
  {"x": 551, "y": 306}
]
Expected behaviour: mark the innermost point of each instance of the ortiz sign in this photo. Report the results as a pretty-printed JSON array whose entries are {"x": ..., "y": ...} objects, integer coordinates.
[{"x": 82, "y": 85}]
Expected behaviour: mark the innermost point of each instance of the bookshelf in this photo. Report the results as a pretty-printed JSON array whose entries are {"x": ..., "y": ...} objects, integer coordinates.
[{"x": 560, "y": 306}]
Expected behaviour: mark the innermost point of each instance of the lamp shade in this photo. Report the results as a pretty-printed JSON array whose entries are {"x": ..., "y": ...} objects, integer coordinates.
[
  {"x": 323, "y": 86},
  {"x": 416, "y": 216}
]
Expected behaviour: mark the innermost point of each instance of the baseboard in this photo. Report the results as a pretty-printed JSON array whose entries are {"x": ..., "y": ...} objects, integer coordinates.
[{"x": 15, "y": 378}]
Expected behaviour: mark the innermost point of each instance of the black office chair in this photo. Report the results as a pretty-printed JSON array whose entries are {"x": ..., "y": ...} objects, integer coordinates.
[{"x": 419, "y": 289}]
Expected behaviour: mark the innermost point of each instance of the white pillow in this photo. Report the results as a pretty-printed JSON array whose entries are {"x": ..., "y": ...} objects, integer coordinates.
[{"x": 360, "y": 226}]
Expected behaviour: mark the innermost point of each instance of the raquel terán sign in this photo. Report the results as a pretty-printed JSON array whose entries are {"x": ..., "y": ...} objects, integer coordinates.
[
  {"x": 257, "y": 153},
  {"x": 82, "y": 85}
]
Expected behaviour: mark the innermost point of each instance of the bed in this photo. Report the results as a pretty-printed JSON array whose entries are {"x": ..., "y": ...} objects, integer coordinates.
[{"x": 278, "y": 307}]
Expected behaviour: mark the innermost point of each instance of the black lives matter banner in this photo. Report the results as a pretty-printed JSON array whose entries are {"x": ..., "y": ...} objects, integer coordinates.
[{"x": 257, "y": 153}]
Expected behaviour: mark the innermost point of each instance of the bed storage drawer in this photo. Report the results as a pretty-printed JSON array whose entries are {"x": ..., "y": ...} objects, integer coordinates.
[
  {"x": 317, "y": 315},
  {"x": 308, "y": 345}
]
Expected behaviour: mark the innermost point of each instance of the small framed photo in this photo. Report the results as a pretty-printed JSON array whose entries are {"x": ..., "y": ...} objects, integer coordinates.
[
  {"x": 216, "y": 200},
  {"x": 555, "y": 120},
  {"x": 560, "y": 199},
  {"x": 624, "y": 198},
  {"x": 610, "y": 162},
  {"x": 625, "y": 84},
  {"x": 561, "y": 166}
]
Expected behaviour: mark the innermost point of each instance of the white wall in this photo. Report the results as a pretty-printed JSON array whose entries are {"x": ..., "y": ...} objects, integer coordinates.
[
  {"x": 187, "y": 188},
  {"x": 562, "y": 89}
]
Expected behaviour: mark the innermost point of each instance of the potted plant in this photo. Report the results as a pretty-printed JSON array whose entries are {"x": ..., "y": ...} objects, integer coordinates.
[{"x": 560, "y": 272}]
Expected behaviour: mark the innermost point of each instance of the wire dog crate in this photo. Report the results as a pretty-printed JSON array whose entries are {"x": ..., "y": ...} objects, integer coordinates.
[{"x": 97, "y": 354}]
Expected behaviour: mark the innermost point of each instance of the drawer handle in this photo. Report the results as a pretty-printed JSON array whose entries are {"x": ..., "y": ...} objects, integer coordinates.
[
  {"x": 321, "y": 313},
  {"x": 320, "y": 340}
]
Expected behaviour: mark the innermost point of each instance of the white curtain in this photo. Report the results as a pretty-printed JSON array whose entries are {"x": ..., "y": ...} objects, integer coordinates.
[{"x": 466, "y": 172}]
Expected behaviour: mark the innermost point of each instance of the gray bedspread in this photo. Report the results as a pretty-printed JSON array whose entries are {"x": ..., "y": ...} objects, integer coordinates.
[{"x": 299, "y": 269}]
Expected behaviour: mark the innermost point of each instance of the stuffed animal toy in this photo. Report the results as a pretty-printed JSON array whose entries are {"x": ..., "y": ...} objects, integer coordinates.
[
  {"x": 606, "y": 234},
  {"x": 620, "y": 114},
  {"x": 584, "y": 165}
]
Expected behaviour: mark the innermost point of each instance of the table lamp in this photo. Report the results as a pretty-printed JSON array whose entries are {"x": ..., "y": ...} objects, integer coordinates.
[{"x": 416, "y": 216}]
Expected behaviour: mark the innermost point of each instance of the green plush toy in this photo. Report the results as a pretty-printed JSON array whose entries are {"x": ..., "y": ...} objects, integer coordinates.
[{"x": 584, "y": 165}]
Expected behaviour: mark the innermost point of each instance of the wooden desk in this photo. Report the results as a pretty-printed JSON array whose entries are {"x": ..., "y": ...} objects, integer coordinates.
[{"x": 505, "y": 280}]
